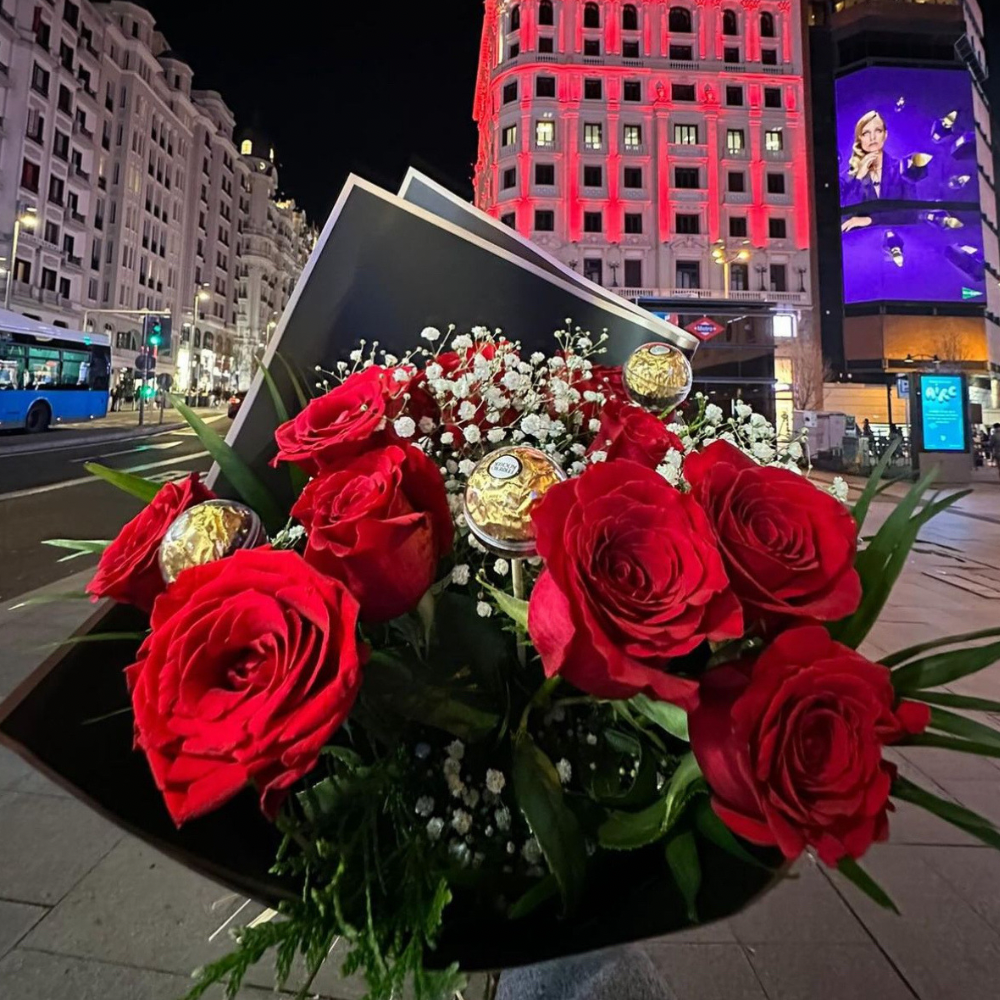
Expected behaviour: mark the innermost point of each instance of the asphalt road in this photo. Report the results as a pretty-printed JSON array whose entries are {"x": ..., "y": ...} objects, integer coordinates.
[{"x": 49, "y": 494}]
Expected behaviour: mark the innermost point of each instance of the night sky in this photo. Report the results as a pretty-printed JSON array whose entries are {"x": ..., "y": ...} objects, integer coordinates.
[{"x": 391, "y": 85}]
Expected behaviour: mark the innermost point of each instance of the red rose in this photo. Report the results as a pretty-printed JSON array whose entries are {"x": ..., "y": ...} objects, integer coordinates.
[
  {"x": 632, "y": 433},
  {"x": 380, "y": 524},
  {"x": 632, "y": 579},
  {"x": 789, "y": 548},
  {"x": 605, "y": 379},
  {"x": 349, "y": 419},
  {"x": 252, "y": 664},
  {"x": 129, "y": 569},
  {"x": 792, "y": 747}
]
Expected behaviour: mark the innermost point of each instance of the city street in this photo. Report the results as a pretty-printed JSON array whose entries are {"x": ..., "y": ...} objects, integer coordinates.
[{"x": 48, "y": 493}]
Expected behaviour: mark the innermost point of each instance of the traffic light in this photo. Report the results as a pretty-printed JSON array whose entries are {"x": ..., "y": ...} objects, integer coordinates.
[
  {"x": 157, "y": 330},
  {"x": 148, "y": 390}
]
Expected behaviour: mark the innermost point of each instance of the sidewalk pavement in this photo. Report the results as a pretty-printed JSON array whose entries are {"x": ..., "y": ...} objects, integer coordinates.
[{"x": 89, "y": 913}]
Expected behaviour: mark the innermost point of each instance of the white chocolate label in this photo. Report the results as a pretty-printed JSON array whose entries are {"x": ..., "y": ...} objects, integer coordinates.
[
  {"x": 505, "y": 467},
  {"x": 659, "y": 350}
]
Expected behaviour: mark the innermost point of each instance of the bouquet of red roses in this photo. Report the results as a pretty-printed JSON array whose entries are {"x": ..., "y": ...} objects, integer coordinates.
[{"x": 528, "y": 650}]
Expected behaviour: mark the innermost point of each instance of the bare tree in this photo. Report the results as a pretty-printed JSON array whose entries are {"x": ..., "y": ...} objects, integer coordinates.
[
  {"x": 952, "y": 347},
  {"x": 809, "y": 371}
]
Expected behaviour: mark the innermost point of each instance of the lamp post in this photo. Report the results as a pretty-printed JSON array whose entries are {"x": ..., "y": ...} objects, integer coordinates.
[
  {"x": 761, "y": 270},
  {"x": 29, "y": 219},
  {"x": 726, "y": 257},
  {"x": 200, "y": 295}
]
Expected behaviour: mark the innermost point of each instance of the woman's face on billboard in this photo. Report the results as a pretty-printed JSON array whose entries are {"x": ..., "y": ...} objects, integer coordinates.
[{"x": 873, "y": 136}]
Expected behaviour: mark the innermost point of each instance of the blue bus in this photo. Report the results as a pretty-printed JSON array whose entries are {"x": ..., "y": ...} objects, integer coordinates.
[{"x": 49, "y": 374}]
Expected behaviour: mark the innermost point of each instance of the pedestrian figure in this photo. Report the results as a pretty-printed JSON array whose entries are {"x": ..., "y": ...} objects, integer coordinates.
[
  {"x": 866, "y": 430},
  {"x": 995, "y": 444}
]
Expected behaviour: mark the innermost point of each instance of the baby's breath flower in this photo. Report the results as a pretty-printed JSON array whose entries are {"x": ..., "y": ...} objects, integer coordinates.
[
  {"x": 495, "y": 781},
  {"x": 456, "y": 750},
  {"x": 565, "y": 771},
  {"x": 502, "y": 816},
  {"x": 447, "y": 438},
  {"x": 466, "y": 467},
  {"x": 840, "y": 489},
  {"x": 461, "y": 822},
  {"x": 430, "y": 333},
  {"x": 404, "y": 427},
  {"x": 466, "y": 411},
  {"x": 496, "y": 435},
  {"x": 599, "y": 456},
  {"x": 425, "y": 806},
  {"x": 532, "y": 851},
  {"x": 460, "y": 574},
  {"x": 434, "y": 371},
  {"x": 501, "y": 567},
  {"x": 472, "y": 434},
  {"x": 435, "y": 828},
  {"x": 484, "y": 610}
]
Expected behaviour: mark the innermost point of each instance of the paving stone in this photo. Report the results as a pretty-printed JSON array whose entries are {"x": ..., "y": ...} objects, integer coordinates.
[
  {"x": 799, "y": 909},
  {"x": 982, "y": 797},
  {"x": 12, "y": 769},
  {"x": 49, "y": 844},
  {"x": 828, "y": 972},
  {"x": 706, "y": 971},
  {"x": 945, "y": 766},
  {"x": 718, "y": 932},
  {"x": 973, "y": 873},
  {"x": 16, "y": 919},
  {"x": 35, "y": 783}
]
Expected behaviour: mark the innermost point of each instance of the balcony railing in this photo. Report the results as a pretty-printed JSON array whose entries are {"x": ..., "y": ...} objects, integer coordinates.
[
  {"x": 688, "y": 150},
  {"x": 714, "y": 294},
  {"x": 689, "y": 194}
]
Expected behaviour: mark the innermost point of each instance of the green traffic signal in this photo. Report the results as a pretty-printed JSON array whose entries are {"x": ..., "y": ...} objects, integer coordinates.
[
  {"x": 155, "y": 337},
  {"x": 148, "y": 391}
]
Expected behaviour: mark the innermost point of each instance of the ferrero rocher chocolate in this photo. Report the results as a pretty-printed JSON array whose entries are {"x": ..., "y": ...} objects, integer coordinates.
[
  {"x": 501, "y": 493},
  {"x": 657, "y": 376},
  {"x": 206, "y": 532}
]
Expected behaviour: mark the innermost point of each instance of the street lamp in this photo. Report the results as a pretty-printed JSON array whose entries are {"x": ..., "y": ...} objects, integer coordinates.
[
  {"x": 29, "y": 219},
  {"x": 725, "y": 257},
  {"x": 200, "y": 295}
]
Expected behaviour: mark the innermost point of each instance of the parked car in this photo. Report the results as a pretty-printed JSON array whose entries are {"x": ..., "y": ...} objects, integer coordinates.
[{"x": 235, "y": 402}]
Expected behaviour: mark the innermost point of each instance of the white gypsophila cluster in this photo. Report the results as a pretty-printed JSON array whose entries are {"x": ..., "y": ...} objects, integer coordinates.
[{"x": 840, "y": 489}]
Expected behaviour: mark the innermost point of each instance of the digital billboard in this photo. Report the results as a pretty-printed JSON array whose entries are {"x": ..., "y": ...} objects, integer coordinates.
[
  {"x": 906, "y": 135},
  {"x": 915, "y": 254},
  {"x": 943, "y": 408}
]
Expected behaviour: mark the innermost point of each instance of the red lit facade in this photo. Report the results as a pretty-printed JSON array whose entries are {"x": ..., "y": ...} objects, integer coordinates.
[{"x": 629, "y": 138}]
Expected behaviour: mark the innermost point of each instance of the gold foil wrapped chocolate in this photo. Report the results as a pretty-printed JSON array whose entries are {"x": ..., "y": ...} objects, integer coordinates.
[
  {"x": 206, "y": 532},
  {"x": 657, "y": 376},
  {"x": 501, "y": 494}
]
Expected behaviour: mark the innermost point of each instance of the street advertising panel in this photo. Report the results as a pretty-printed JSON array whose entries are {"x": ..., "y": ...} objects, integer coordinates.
[{"x": 944, "y": 421}]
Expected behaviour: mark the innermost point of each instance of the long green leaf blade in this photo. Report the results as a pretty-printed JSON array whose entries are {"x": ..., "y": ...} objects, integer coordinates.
[
  {"x": 293, "y": 377},
  {"x": 944, "y": 668},
  {"x": 708, "y": 824},
  {"x": 513, "y": 607},
  {"x": 29, "y": 602},
  {"x": 297, "y": 476},
  {"x": 854, "y": 873},
  {"x": 628, "y": 831},
  {"x": 84, "y": 547},
  {"x": 76, "y": 640},
  {"x": 955, "y": 701},
  {"x": 670, "y": 718},
  {"x": 872, "y": 487},
  {"x": 682, "y": 858},
  {"x": 951, "y": 743},
  {"x": 535, "y": 897},
  {"x": 895, "y": 659},
  {"x": 540, "y": 797},
  {"x": 959, "y": 725},
  {"x": 138, "y": 487},
  {"x": 965, "y": 819},
  {"x": 239, "y": 475}
]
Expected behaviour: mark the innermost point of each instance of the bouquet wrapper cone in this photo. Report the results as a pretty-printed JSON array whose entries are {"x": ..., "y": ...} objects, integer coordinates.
[{"x": 383, "y": 269}]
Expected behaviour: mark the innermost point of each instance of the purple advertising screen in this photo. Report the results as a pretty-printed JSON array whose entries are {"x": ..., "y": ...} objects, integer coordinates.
[
  {"x": 906, "y": 135},
  {"x": 916, "y": 253}
]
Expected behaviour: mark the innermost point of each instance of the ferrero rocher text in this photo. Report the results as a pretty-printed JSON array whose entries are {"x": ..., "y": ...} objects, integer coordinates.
[
  {"x": 206, "y": 532},
  {"x": 657, "y": 376},
  {"x": 501, "y": 493}
]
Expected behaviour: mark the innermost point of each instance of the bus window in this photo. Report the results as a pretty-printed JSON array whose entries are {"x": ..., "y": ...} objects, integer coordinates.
[
  {"x": 11, "y": 366},
  {"x": 75, "y": 369},
  {"x": 43, "y": 367}
]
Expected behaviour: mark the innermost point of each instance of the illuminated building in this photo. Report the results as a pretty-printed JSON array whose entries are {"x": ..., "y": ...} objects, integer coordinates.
[
  {"x": 910, "y": 272},
  {"x": 662, "y": 149}
]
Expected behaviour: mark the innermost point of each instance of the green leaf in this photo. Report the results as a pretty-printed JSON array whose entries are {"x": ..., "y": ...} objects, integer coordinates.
[
  {"x": 956, "y": 701},
  {"x": 951, "y": 743},
  {"x": 76, "y": 640},
  {"x": 512, "y": 607},
  {"x": 138, "y": 487},
  {"x": 944, "y": 668},
  {"x": 682, "y": 786},
  {"x": 872, "y": 487},
  {"x": 682, "y": 857},
  {"x": 237, "y": 473},
  {"x": 670, "y": 718},
  {"x": 540, "y": 797},
  {"x": 895, "y": 659},
  {"x": 854, "y": 873},
  {"x": 79, "y": 547},
  {"x": 535, "y": 897},
  {"x": 300, "y": 394},
  {"x": 965, "y": 819},
  {"x": 623, "y": 743},
  {"x": 28, "y": 602},
  {"x": 959, "y": 725},
  {"x": 708, "y": 824},
  {"x": 297, "y": 475}
]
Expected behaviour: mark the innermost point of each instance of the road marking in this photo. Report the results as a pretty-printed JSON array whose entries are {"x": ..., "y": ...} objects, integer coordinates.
[
  {"x": 36, "y": 490},
  {"x": 129, "y": 451}
]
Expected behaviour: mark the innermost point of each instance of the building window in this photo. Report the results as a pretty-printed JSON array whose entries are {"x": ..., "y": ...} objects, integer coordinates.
[
  {"x": 630, "y": 50},
  {"x": 731, "y": 54},
  {"x": 591, "y": 46},
  {"x": 545, "y": 133},
  {"x": 682, "y": 92},
  {"x": 60, "y": 145},
  {"x": 36, "y": 125},
  {"x": 687, "y": 224},
  {"x": 545, "y": 86},
  {"x": 779, "y": 278},
  {"x": 593, "y": 269},
  {"x": 509, "y": 178},
  {"x": 687, "y": 177},
  {"x": 734, "y": 96},
  {"x": 593, "y": 134},
  {"x": 592, "y": 90},
  {"x": 738, "y": 225},
  {"x": 56, "y": 190},
  {"x": 40, "y": 80},
  {"x": 545, "y": 44},
  {"x": 777, "y": 229},
  {"x": 632, "y": 177},
  {"x": 736, "y": 181},
  {"x": 591, "y": 16},
  {"x": 246, "y": 147},
  {"x": 633, "y": 223},
  {"x": 739, "y": 277},
  {"x": 510, "y": 92},
  {"x": 514, "y": 51},
  {"x": 767, "y": 25},
  {"x": 48, "y": 279},
  {"x": 772, "y": 97},
  {"x": 774, "y": 140},
  {"x": 775, "y": 183},
  {"x": 632, "y": 91},
  {"x": 51, "y": 233},
  {"x": 729, "y": 24},
  {"x": 545, "y": 173},
  {"x": 686, "y": 135},
  {"x": 64, "y": 288},
  {"x": 545, "y": 220},
  {"x": 593, "y": 176},
  {"x": 680, "y": 19},
  {"x": 769, "y": 57},
  {"x": 735, "y": 141},
  {"x": 509, "y": 136},
  {"x": 545, "y": 13},
  {"x": 682, "y": 53},
  {"x": 630, "y": 17},
  {"x": 688, "y": 274},
  {"x": 633, "y": 273},
  {"x": 593, "y": 222},
  {"x": 515, "y": 17},
  {"x": 633, "y": 136}
]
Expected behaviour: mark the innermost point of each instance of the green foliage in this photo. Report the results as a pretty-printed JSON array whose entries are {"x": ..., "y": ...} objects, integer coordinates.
[
  {"x": 539, "y": 796},
  {"x": 895, "y": 659},
  {"x": 539, "y": 894},
  {"x": 77, "y": 547},
  {"x": 952, "y": 743},
  {"x": 958, "y": 701},
  {"x": 298, "y": 386},
  {"x": 75, "y": 595},
  {"x": 513, "y": 607},
  {"x": 297, "y": 476},
  {"x": 136, "y": 486},
  {"x": 855, "y": 874},
  {"x": 708, "y": 824},
  {"x": 682, "y": 859},
  {"x": 959, "y": 725},
  {"x": 873, "y": 487},
  {"x": 965, "y": 819},
  {"x": 944, "y": 668},
  {"x": 671, "y": 719}
]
